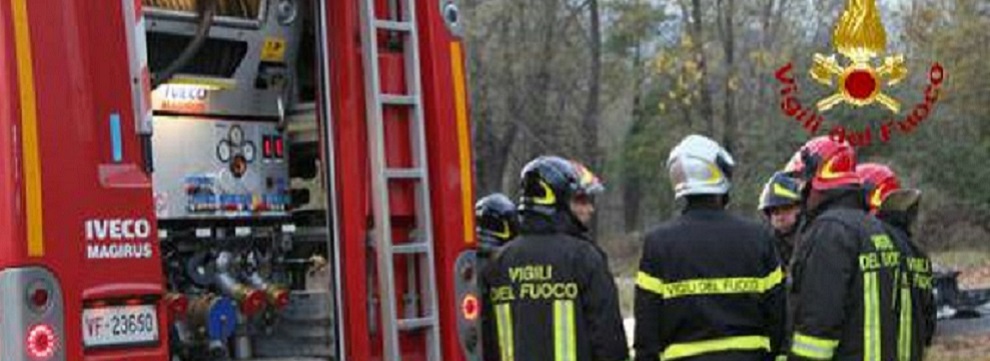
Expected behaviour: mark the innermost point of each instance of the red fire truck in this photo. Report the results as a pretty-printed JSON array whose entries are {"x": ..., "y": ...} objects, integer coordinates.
[{"x": 235, "y": 180}]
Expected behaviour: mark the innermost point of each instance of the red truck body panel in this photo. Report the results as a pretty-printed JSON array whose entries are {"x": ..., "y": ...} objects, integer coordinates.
[{"x": 64, "y": 77}]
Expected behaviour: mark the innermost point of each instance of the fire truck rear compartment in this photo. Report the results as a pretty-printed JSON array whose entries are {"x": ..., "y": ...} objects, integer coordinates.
[{"x": 241, "y": 198}]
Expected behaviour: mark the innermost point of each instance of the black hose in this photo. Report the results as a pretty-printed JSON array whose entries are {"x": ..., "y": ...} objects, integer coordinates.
[{"x": 206, "y": 13}]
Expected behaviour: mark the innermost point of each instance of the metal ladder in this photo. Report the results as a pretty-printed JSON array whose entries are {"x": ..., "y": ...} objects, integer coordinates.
[{"x": 420, "y": 248}]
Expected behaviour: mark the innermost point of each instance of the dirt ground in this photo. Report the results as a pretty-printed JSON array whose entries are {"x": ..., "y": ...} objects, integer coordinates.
[
  {"x": 975, "y": 273},
  {"x": 973, "y": 265},
  {"x": 977, "y": 277},
  {"x": 960, "y": 348}
]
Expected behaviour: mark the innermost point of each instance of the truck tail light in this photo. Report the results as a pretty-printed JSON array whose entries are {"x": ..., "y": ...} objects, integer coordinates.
[
  {"x": 466, "y": 287},
  {"x": 42, "y": 341},
  {"x": 38, "y": 297},
  {"x": 470, "y": 307},
  {"x": 33, "y": 314}
]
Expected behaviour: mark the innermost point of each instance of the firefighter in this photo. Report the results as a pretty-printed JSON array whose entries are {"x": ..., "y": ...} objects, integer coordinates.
[
  {"x": 497, "y": 222},
  {"x": 898, "y": 208},
  {"x": 709, "y": 285},
  {"x": 550, "y": 294},
  {"x": 780, "y": 202},
  {"x": 843, "y": 275}
]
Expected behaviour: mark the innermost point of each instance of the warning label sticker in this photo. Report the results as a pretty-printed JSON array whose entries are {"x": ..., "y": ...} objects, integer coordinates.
[{"x": 273, "y": 50}]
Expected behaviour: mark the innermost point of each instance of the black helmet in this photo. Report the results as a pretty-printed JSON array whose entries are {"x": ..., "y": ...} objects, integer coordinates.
[
  {"x": 549, "y": 183},
  {"x": 780, "y": 190},
  {"x": 495, "y": 217}
]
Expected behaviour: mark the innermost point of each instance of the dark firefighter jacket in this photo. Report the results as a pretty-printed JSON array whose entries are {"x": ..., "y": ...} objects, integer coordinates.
[
  {"x": 551, "y": 297},
  {"x": 709, "y": 287},
  {"x": 785, "y": 247},
  {"x": 917, "y": 302},
  {"x": 842, "y": 299}
]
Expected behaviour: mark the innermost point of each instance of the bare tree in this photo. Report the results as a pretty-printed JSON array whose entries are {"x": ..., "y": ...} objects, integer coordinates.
[
  {"x": 698, "y": 40},
  {"x": 726, "y": 32},
  {"x": 591, "y": 113}
]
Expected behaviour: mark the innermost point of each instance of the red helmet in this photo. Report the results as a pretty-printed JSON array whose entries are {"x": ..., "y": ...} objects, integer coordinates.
[
  {"x": 827, "y": 164},
  {"x": 880, "y": 181}
]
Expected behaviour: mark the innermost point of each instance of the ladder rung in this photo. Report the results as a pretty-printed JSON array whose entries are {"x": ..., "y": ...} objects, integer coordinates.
[
  {"x": 393, "y": 25},
  {"x": 390, "y": 99},
  {"x": 411, "y": 248},
  {"x": 410, "y": 173},
  {"x": 408, "y": 324}
]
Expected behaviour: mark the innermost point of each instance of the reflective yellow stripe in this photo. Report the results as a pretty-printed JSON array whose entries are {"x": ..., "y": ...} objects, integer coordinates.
[
  {"x": 709, "y": 286},
  {"x": 565, "y": 333},
  {"x": 716, "y": 174},
  {"x": 773, "y": 279},
  {"x": 29, "y": 125},
  {"x": 871, "y": 314},
  {"x": 904, "y": 336},
  {"x": 558, "y": 334},
  {"x": 738, "y": 343},
  {"x": 503, "y": 322},
  {"x": 463, "y": 139},
  {"x": 784, "y": 192},
  {"x": 649, "y": 283},
  {"x": 572, "y": 331},
  {"x": 813, "y": 347}
]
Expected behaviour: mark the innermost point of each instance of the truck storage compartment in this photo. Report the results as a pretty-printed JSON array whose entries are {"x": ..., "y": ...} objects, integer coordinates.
[{"x": 248, "y": 264}]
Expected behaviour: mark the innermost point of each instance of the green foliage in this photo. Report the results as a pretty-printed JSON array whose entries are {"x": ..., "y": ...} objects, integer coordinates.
[{"x": 657, "y": 72}]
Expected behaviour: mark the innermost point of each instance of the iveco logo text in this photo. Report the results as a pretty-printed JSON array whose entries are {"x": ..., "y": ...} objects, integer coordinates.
[
  {"x": 117, "y": 229},
  {"x": 185, "y": 93}
]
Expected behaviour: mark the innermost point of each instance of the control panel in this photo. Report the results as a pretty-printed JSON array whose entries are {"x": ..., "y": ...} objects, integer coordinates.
[{"x": 209, "y": 168}]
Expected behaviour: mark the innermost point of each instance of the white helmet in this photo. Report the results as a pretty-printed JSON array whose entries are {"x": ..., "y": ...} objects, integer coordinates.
[{"x": 699, "y": 165}]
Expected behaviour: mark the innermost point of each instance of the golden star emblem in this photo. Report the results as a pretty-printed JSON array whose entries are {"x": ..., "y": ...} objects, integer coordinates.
[{"x": 859, "y": 36}]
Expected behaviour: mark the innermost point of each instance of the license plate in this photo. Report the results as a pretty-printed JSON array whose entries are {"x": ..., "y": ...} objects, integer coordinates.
[{"x": 119, "y": 325}]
